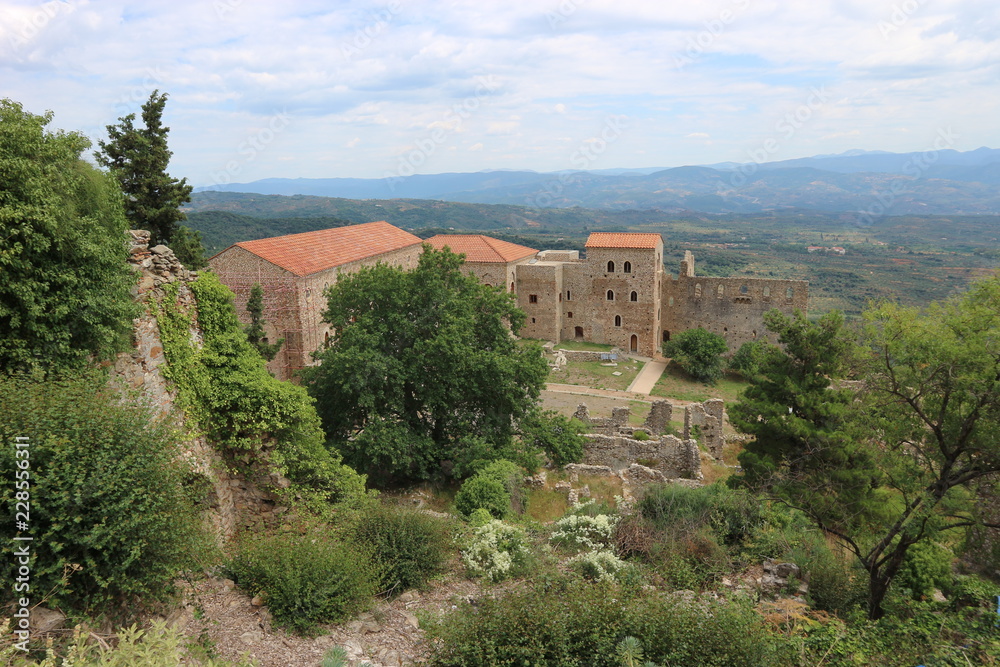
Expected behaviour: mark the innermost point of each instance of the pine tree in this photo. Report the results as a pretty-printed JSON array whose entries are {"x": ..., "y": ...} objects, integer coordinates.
[
  {"x": 138, "y": 158},
  {"x": 255, "y": 331}
]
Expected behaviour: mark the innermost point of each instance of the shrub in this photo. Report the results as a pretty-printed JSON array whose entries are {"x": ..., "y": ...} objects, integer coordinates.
[
  {"x": 306, "y": 576},
  {"x": 409, "y": 545},
  {"x": 835, "y": 585},
  {"x": 602, "y": 565},
  {"x": 926, "y": 566},
  {"x": 641, "y": 436},
  {"x": 582, "y": 624},
  {"x": 480, "y": 492},
  {"x": 747, "y": 360},
  {"x": 698, "y": 352},
  {"x": 581, "y": 531},
  {"x": 558, "y": 436},
  {"x": 106, "y": 492},
  {"x": 496, "y": 550}
]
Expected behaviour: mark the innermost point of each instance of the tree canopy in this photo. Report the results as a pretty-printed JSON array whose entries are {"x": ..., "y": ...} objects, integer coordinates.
[
  {"x": 64, "y": 278},
  {"x": 699, "y": 353},
  {"x": 893, "y": 461},
  {"x": 422, "y": 372},
  {"x": 138, "y": 158}
]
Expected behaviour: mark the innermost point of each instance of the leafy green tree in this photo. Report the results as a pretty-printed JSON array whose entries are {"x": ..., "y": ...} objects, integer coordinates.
[
  {"x": 894, "y": 463},
  {"x": 138, "y": 158},
  {"x": 559, "y": 437},
  {"x": 699, "y": 353},
  {"x": 186, "y": 244},
  {"x": 748, "y": 359},
  {"x": 255, "y": 330},
  {"x": 64, "y": 276},
  {"x": 422, "y": 370}
]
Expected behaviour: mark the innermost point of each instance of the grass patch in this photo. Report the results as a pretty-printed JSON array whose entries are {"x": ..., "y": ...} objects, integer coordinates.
[
  {"x": 583, "y": 345},
  {"x": 593, "y": 374},
  {"x": 602, "y": 489},
  {"x": 638, "y": 411},
  {"x": 545, "y": 504},
  {"x": 674, "y": 383}
]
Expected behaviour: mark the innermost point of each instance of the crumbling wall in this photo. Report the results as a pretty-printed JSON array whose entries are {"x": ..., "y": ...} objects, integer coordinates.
[
  {"x": 669, "y": 455},
  {"x": 703, "y": 422},
  {"x": 234, "y": 501},
  {"x": 658, "y": 419}
]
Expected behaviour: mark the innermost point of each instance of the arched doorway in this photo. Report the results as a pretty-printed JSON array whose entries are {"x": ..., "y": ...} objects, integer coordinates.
[
  {"x": 633, "y": 343},
  {"x": 578, "y": 332}
]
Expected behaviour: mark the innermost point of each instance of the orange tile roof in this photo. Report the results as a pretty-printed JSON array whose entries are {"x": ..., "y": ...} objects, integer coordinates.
[
  {"x": 311, "y": 252},
  {"x": 623, "y": 240},
  {"x": 479, "y": 248}
]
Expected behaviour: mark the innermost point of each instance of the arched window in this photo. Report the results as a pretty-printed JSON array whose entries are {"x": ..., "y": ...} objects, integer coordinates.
[
  {"x": 512, "y": 287},
  {"x": 670, "y": 301},
  {"x": 627, "y": 268},
  {"x": 569, "y": 314},
  {"x": 611, "y": 267},
  {"x": 634, "y": 296},
  {"x": 611, "y": 295},
  {"x": 789, "y": 294},
  {"x": 767, "y": 292},
  {"x": 744, "y": 289},
  {"x": 697, "y": 291},
  {"x": 618, "y": 320},
  {"x": 722, "y": 291}
]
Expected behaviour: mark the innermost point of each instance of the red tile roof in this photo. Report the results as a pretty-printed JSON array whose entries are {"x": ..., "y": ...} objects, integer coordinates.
[
  {"x": 623, "y": 240},
  {"x": 479, "y": 248},
  {"x": 311, "y": 252}
]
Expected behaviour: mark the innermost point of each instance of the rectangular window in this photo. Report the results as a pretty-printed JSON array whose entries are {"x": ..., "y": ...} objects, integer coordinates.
[
  {"x": 569, "y": 297},
  {"x": 532, "y": 298}
]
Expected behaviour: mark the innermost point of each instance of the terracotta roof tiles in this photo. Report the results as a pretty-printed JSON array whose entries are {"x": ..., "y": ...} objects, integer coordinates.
[
  {"x": 623, "y": 240},
  {"x": 479, "y": 248},
  {"x": 311, "y": 252}
]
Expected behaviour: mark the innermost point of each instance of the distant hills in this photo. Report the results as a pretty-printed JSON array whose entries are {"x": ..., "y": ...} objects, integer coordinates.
[{"x": 945, "y": 182}]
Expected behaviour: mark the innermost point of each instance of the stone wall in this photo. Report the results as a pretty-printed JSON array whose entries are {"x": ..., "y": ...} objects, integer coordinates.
[
  {"x": 709, "y": 418},
  {"x": 658, "y": 419},
  {"x": 234, "y": 501},
  {"x": 669, "y": 455}
]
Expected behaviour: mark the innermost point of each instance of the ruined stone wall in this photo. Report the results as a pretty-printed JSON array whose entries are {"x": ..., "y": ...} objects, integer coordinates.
[
  {"x": 730, "y": 307},
  {"x": 669, "y": 455},
  {"x": 704, "y": 422},
  {"x": 234, "y": 501}
]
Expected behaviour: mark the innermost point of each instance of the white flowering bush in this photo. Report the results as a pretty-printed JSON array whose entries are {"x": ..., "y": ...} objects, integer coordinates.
[
  {"x": 579, "y": 531},
  {"x": 496, "y": 551},
  {"x": 601, "y": 565}
]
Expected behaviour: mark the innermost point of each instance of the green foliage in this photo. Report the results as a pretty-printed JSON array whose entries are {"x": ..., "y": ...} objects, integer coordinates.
[
  {"x": 600, "y": 565},
  {"x": 186, "y": 244},
  {"x": 577, "y": 623},
  {"x": 255, "y": 330},
  {"x": 641, "y": 436},
  {"x": 582, "y": 531},
  {"x": 926, "y": 566},
  {"x": 306, "y": 576},
  {"x": 422, "y": 363},
  {"x": 748, "y": 360},
  {"x": 157, "y": 646},
  {"x": 699, "y": 353},
  {"x": 483, "y": 492},
  {"x": 559, "y": 437},
  {"x": 108, "y": 502},
  {"x": 138, "y": 158},
  {"x": 410, "y": 546},
  {"x": 64, "y": 278},
  {"x": 226, "y": 388}
]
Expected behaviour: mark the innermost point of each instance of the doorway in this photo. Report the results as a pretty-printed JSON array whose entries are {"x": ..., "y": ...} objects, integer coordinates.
[{"x": 634, "y": 343}]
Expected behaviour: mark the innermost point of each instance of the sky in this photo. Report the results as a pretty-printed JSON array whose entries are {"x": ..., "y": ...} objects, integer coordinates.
[{"x": 261, "y": 89}]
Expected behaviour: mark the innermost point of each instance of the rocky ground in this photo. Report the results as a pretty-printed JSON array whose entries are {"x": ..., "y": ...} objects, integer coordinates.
[{"x": 223, "y": 622}]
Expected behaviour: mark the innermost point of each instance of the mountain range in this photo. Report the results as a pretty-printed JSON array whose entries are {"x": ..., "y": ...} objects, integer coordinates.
[{"x": 862, "y": 183}]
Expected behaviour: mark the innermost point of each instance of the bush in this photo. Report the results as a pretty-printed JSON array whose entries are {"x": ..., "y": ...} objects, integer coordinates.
[
  {"x": 579, "y": 623},
  {"x": 306, "y": 576},
  {"x": 926, "y": 566},
  {"x": 496, "y": 550},
  {"x": 581, "y": 531},
  {"x": 699, "y": 353},
  {"x": 835, "y": 585},
  {"x": 602, "y": 566},
  {"x": 480, "y": 492},
  {"x": 558, "y": 436},
  {"x": 106, "y": 492},
  {"x": 747, "y": 360},
  {"x": 410, "y": 546}
]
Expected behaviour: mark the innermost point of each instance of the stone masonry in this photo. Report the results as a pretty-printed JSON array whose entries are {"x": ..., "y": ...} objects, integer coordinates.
[{"x": 703, "y": 421}]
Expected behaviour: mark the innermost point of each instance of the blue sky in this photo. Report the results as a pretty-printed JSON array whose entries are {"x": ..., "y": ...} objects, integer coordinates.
[{"x": 373, "y": 89}]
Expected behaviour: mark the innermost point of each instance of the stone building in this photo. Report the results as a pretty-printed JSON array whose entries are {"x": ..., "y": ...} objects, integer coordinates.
[
  {"x": 620, "y": 295},
  {"x": 294, "y": 270},
  {"x": 491, "y": 260}
]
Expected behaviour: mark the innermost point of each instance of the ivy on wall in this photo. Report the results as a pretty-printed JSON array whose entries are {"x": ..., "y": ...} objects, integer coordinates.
[{"x": 224, "y": 387}]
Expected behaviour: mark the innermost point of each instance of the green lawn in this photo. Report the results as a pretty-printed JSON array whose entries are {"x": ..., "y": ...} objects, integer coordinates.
[
  {"x": 674, "y": 383},
  {"x": 593, "y": 374}
]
